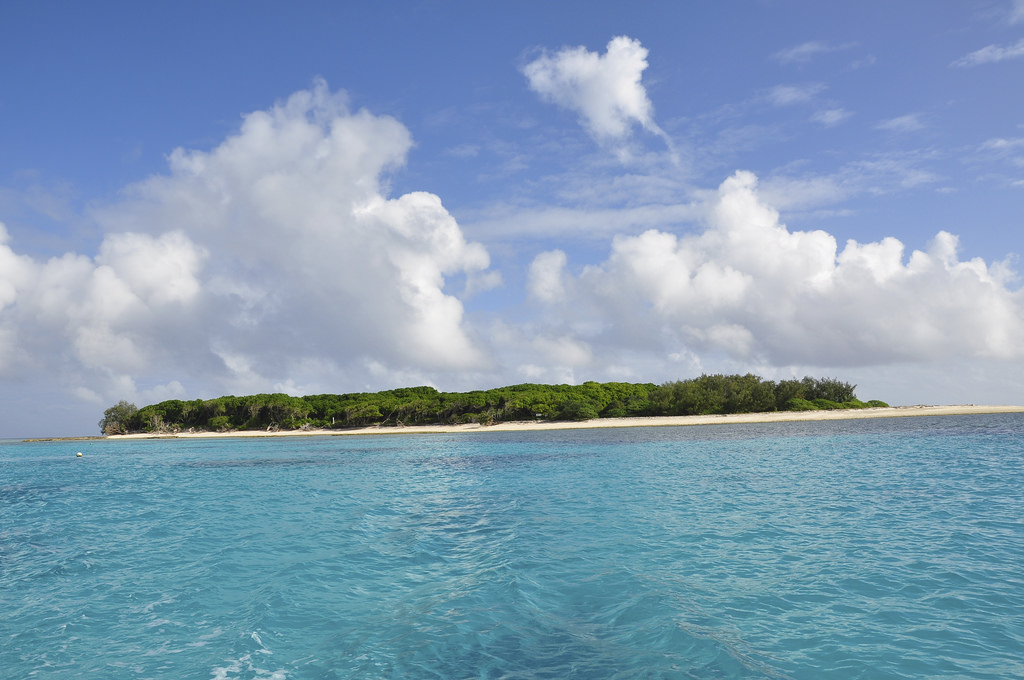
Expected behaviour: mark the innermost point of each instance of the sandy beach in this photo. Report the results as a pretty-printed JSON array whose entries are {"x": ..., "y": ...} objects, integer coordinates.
[{"x": 654, "y": 421}]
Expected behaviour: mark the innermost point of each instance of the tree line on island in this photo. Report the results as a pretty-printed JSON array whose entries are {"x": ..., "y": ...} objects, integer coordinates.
[{"x": 706, "y": 395}]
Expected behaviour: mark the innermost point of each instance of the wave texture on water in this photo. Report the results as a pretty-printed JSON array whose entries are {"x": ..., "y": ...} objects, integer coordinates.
[{"x": 867, "y": 549}]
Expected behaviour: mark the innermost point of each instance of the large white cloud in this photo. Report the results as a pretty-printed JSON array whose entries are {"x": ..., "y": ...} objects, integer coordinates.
[
  {"x": 275, "y": 258},
  {"x": 749, "y": 288},
  {"x": 94, "y": 323},
  {"x": 605, "y": 90},
  {"x": 308, "y": 247}
]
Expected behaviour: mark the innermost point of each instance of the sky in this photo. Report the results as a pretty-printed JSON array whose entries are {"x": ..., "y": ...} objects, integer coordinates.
[{"x": 200, "y": 199}]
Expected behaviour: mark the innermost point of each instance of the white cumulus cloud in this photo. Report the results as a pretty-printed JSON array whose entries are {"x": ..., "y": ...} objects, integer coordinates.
[
  {"x": 749, "y": 288},
  {"x": 546, "y": 280},
  {"x": 605, "y": 90},
  {"x": 95, "y": 323},
  {"x": 276, "y": 257}
]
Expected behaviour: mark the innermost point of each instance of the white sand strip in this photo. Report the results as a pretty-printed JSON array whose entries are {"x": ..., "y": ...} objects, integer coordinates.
[{"x": 654, "y": 421}]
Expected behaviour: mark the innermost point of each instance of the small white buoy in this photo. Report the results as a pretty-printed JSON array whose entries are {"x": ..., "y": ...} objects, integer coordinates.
[{"x": 79, "y": 454}]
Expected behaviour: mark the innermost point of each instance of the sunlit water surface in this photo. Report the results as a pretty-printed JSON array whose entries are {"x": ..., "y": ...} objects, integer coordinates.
[{"x": 861, "y": 549}]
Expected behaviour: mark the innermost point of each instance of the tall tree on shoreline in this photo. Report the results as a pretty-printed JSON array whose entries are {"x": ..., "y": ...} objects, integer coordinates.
[{"x": 119, "y": 419}]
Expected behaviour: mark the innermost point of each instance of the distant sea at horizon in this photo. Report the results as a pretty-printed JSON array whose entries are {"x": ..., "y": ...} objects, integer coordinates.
[{"x": 890, "y": 548}]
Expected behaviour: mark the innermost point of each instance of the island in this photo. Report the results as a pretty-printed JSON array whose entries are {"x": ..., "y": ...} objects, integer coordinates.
[{"x": 707, "y": 395}]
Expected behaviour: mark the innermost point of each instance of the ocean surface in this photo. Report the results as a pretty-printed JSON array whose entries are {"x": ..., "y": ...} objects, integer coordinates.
[{"x": 860, "y": 549}]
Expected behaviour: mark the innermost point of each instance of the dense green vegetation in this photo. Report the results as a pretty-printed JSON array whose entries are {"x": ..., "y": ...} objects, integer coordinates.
[
  {"x": 708, "y": 394},
  {"x": 119, "y": 418}
]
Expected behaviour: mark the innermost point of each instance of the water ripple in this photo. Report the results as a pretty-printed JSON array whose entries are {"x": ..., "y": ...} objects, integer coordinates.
[{"x": 830, "y": 550}]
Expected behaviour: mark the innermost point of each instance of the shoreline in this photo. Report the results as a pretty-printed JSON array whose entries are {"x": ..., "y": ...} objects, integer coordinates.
[{"x": 648, "y": 421}]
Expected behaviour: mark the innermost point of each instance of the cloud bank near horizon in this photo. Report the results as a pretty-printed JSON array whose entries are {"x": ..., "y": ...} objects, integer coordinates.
[{"x": 751, "y": 289}]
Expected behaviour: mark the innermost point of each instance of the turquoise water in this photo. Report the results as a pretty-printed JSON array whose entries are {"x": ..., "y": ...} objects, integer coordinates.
[{"x": 860, "y": 549}]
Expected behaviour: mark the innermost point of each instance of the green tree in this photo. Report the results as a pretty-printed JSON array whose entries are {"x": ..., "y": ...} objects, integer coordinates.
[
  {"x": 832, "y": 389},
  {"x": 219, "y": 423},
  {"x": 119, "y": 419},
  {"x": 577, "y": 410},
  {"x": 788, "y": 390}
]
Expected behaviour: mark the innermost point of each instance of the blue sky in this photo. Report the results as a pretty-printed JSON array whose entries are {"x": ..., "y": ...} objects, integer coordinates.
[{"x": 201, "y": 199}]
